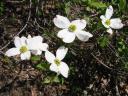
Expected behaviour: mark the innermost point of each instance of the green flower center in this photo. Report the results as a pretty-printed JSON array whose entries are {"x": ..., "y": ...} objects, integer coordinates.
[
  {"x": 23, "y": 49},
  {"x": 72, "y": 28},
  {"x": 107, "y": 22},
  {"x": 57, "y": 62}
]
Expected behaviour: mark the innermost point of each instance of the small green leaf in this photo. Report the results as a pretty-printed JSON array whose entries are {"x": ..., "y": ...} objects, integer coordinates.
[
  {"x": 103, "y": 41},
  {"x": 67, "y": 8},
  {"x": 35, "y": 58},
  {"x": 51, "y": 79},
  {"x": 42, "y": 66},
  {"x": 97, "y": 4},
  {"x": 56, "y": 79},
  {"x": 47, "y": 80}
]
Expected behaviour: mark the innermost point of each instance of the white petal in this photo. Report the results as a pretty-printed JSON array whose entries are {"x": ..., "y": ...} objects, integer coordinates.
[
  {"x": 17, "y": 42},
  {"x": 29, "y": 36},
  {"x": 80, "y": 24},
  {"x": 109, "y": 12},
  {"x": 61, "y": 33},
  {"x": 25, "y": 56},
  {"x": 49, "y": 57},
  {"x": 110, "y": 31},
  {"x": 64, "y": 69},
  {"x": 43, "y": 47},
  {"x": 12, "y": 52},
  {"x": 67, "y": 36},
  {"x": 103, "y": 17},
  {"x": 23, "y": 40},
  {"x": 116, "y": 23},
  {"x": 37, "y": 38},
  {"x": 83, "y": 35},
  {"x": 61, "y": 22},
  {"x": 54, "y": 67},
  {"x": 35, "y": 43},
  {"x": 36, "y": 52},
  {"x": 61, "y": 52}
]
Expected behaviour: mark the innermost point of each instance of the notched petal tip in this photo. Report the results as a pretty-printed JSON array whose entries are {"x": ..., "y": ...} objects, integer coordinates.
[
  {"x": 110, "y": 7},
  {"x": 110, "y": 31},
  {"x": 83, "y": 21},
  {"x": 109, "y": 12},
  {"x": 102, "y": 17},
  {"x": 61, "y": 21},
  {"x": 61, "y": 52},
  {"x": 29, "y": 36}
]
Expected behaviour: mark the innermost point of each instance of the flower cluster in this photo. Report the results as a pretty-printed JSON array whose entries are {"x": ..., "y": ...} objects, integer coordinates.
[{"x": 25, "y": 46}]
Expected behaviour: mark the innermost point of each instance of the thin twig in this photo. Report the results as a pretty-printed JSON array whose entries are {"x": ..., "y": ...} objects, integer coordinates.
[
  {"x": 117, "y": 71},
  {"x": 21, "y": 29},
  {"x": 117, "y": 91},
  {"x": 3, "y": 19},
  {"x": 11, "y": 1},
  {"x": 1, "y": 52},
  {"x": 100, "y": 61}
]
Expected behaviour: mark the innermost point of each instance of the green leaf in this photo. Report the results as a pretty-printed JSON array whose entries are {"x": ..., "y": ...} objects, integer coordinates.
[
  {"x": 47, "y": 80},
  {"x": 56, "y": 79},
  {"x": 103, "y": 41},
  {"x": 51, "y": 79},
  {"x": 67, "y": 8},
  {"x": 35, "y": 58},
  {"x": 42, "y": 66},
  {"x": 122, "y": 5},
  {"x": 97, "y": 4}
]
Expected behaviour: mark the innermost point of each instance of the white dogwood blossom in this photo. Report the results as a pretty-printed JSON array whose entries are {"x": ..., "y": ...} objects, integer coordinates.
[
  {"x": 35, "y": 45},
  {"x": 21, "y": 48},
  {"x": 70, "y": 30},
  {"x": 109, "y": 23},
  {"x": 57, "y": 65}
]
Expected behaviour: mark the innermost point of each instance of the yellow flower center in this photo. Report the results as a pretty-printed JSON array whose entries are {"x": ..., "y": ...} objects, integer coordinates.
[
  {"x": 23, "y": 49},
  {"x": 57, "y": 62},
  {"x": 72, "y": 28},
  {"x": 108, "y": 22}
]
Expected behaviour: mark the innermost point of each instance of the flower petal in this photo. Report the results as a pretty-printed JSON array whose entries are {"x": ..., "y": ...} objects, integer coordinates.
[
  {"x": 35, "y": 40},
  {"x": 54, "y": 67},
  {"x": 64, "y": 69},
  {"x": 49, "y": 57},
  {"x": 43, "y": 47},
  {"x": 12, "y": 52},
  {"x": 25, "y": 56},
  {"x": 36, "y": 52},
  {"x": 67, "y": 36},
  {"x": 61, "y": 22},
  {"x": 29, "y": 36},
  {"x": 83, "y": 35},
  {"x": 110, "y": 31},
  {"x": 116, "y": 23},
  {"x": 23, "y": 40},
  {"x": 102, "y": 17},
  {"x": 109, "y": 12},
  {"x": 61, "y": 52},
  {"x": 17, "y": 42},
  {"x": 80, "y": 24}
]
